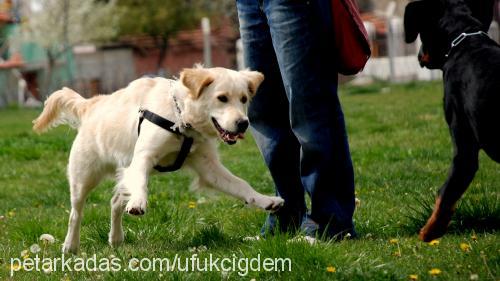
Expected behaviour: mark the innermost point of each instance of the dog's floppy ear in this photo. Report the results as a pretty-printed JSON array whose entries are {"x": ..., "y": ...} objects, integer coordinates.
[
  {"x": 414, "y": 12},
  {"x": 254, "y": 79},
  {"x": 196, "y": 79}
]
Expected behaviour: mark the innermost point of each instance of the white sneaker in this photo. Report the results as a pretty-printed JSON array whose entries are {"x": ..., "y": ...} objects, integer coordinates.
[
  {"x": 301, "y": 238},
  {"x": 252, "y": 238}
]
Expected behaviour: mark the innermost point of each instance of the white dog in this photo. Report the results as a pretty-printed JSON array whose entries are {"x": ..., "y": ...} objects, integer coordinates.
[{"x": 203, "y": 105}]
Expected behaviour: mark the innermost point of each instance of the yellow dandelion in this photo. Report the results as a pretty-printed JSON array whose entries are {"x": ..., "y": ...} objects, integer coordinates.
[
  {"x": 434, "y": 242},
  {"x": 393, "y": 241},
  {"x": 134, "y": 263},
  {"x": 15, "y": 267},
  {"x": 11, "y": 213},
  {"x": 331, "y": 269},
  {"x": 435, "y": 271},
  {"x": 465, "y": 247},
  {"x": 192, "y": 205},
  {"x": 25, "y": 254},
  {"x": 413, "y": 277},
  {"x": 473, "y": 237}
]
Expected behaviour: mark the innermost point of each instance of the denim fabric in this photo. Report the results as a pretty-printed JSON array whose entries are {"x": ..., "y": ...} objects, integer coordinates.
[{"x": 296, "y": 117}]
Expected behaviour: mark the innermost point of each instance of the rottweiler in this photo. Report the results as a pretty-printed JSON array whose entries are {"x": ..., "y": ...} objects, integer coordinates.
[{"x": 454, "y": 39}]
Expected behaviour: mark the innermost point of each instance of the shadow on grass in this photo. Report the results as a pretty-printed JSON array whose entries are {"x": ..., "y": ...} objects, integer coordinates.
[
  {"x": 480, "y": 213},
  {"x": 212, "y": 236}
]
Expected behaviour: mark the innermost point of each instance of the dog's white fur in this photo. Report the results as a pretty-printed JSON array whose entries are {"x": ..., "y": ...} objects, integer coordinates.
[{"x": 107, "y": 141}]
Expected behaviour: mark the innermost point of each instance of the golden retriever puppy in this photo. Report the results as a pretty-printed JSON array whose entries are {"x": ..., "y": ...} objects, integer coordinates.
[{"x": 204, "y": 105}]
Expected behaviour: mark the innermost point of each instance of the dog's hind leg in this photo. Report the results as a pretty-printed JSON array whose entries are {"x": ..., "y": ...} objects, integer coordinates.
[
  {"x": 464, "y": 166},
  {"x": 83, "y": 176},
  {"x": 116, "y": 235}
]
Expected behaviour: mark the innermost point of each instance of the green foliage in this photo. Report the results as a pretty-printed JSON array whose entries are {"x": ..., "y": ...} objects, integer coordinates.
[
  {"x": 401, "y": 151},
  {"x": 156, "y": 18},
  {"x": 163, "y": 19},
  {"x": 58, "y": 25}
]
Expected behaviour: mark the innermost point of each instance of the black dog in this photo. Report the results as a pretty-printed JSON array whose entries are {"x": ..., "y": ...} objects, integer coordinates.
[{"x": 453, "y": 40}]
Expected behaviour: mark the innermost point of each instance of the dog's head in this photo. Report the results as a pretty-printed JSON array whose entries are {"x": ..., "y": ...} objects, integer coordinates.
[
  {"x": 426, "y": 17},
  {"x": 218, "y": 100},
  {"x": 422, "y": 17}
]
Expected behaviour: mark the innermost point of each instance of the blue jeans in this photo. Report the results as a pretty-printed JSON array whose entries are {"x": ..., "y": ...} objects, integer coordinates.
[{"x": 296, "y": 116}]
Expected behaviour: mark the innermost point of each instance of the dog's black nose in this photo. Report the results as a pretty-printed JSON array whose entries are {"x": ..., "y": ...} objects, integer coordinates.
[{"x": 242, "y": 125}]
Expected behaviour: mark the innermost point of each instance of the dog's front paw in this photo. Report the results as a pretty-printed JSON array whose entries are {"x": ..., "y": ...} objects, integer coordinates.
[
  {"x": 136, "y": 206},
  {"x": 268, "y": 203}
]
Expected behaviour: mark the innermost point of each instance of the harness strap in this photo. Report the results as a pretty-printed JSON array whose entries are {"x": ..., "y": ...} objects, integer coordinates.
[{"x": 167, "y": 125}]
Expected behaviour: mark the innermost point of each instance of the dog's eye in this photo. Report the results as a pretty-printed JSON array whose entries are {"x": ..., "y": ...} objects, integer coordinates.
[
  {"x": 244, "y": 99},
  {"x": 222, "y": 98}
]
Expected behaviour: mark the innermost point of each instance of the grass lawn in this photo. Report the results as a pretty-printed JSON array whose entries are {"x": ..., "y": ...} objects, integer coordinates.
[{"x": 401, "y": 151}]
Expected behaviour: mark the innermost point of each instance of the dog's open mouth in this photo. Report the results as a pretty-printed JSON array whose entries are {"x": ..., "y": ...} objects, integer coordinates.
[{"x": 227, "y": 136}]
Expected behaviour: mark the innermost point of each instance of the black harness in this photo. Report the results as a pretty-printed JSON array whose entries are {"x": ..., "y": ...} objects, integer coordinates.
[{"x": 167, "y": 125}]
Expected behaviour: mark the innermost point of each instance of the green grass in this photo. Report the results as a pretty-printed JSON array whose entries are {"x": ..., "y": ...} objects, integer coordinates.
[{"x": 401, "y": 152}]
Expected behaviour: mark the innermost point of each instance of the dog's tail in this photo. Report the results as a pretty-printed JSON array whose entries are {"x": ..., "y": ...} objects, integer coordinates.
[{"x": 62, "y": 107}]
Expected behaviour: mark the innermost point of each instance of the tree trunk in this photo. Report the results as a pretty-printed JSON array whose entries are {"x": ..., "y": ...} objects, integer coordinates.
[
  {"x": 51, "y": 61},
  {"x": 162, "y": 44}
]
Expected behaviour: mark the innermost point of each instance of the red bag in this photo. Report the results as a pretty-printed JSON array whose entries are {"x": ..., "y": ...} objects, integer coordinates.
[{"x": 351, "y": 38}]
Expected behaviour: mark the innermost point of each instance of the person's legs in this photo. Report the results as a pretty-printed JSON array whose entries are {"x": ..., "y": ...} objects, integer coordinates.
[
  {"x": 269, "y": 118},
  {"x": 310, "y": 80}
]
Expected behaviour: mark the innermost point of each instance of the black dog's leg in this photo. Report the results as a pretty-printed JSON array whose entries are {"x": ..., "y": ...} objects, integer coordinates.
[{"x": 464, "y": 166}]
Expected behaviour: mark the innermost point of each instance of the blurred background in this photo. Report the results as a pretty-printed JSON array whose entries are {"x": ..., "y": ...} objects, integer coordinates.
[{"x": 99, "y": 46}]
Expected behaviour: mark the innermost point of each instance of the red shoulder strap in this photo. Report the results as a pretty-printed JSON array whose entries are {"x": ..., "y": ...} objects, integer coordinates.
[{"x": 352, "y": 8}]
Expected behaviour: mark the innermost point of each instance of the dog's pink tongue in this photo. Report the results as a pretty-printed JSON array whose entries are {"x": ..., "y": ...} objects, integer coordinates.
[{"x": 241, "y": 135}]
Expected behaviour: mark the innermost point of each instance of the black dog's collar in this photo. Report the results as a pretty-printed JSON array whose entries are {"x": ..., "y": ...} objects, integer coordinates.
[
  {"x": 169, "y": 126},
  {"x": 461, "y": 38}
]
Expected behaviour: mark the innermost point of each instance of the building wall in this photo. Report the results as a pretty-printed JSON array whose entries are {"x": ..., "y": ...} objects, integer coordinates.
[
  {"x": 183, "y": 56},
  {"x": 8, "y": 88},
  {"x": 381, "y": 5},
  {"x": 104, "y": 71}
]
